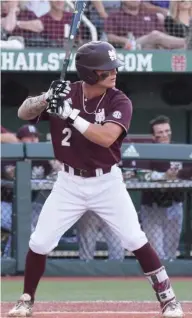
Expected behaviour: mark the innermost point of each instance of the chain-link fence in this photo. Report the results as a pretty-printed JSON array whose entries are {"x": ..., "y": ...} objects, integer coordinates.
[
  {"x": 129, "y": 25},
  {"x": 6, "y": 221},
  {"x": 163, "y": 208}
]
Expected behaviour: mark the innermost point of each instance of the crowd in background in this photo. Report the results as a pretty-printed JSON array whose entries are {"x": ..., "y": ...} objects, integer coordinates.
[{"x": 130, "y": 25}]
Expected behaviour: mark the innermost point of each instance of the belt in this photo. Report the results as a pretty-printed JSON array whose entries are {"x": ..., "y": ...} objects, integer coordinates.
[{"x": 85, "y": 173}]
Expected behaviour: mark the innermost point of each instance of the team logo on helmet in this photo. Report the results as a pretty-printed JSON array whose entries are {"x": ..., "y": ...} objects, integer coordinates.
[
  {"x": 117, "y": 114},
  {"x": 112, "y": 55}
]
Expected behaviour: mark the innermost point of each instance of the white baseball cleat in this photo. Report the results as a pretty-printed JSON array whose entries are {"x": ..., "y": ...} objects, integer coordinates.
[
  {"x": 23, "y": 307},
  {"x": 173, "y": 310}
]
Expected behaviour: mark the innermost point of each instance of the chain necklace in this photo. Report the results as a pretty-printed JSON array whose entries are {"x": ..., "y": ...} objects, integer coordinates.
[{"x": 84, "y": 106}]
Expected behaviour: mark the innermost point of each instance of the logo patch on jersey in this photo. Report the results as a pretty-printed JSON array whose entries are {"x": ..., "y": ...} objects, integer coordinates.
[
  {"x": 112, "y": 55},
  {"x": 117, "y": 114},
  {"x": 100, "y": 116}
]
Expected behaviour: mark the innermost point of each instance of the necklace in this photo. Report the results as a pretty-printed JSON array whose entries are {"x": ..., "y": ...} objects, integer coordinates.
[{"x": 84, "y": 106}]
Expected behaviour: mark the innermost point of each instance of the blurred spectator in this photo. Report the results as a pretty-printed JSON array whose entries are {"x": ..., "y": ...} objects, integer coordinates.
[
  {"x": 189, "y": 36},
  {"x": 40, "y": 169},
  {"x": 99, "y": 10},
  {"x": 9, "y": 11},
  {"x": 28, "y": 133},
  {"x": 18, "y": 23},
  {"x": 178, "y": 18},
  {"x": 7, "y": 14},
  {"x": 39, "y": 7},
  {"x": 56, "y": 24},
  {"x": 90, "y": 229},
  {"x": 133, "y": 27},
  {"x": 157, "y": 6},
  {"x": 161, "y": 3},
  {"x": 162, "y": 210},
  {"x": 7, "y": 136},
  {"x": 185, "y": 174}
]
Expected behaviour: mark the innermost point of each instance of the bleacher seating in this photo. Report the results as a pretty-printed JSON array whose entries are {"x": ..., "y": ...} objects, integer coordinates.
[{"x": 126, "y": 24}]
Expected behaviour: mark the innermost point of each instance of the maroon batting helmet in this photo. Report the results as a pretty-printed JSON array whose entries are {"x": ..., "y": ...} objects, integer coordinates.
[{"x": 94, "y": 56}]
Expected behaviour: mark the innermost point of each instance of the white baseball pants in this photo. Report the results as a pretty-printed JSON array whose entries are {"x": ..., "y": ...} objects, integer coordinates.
[{"x": 72, "y": 196}]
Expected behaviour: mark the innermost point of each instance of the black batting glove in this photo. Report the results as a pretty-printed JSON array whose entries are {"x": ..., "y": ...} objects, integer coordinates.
[{"x": 58, "y": 91}]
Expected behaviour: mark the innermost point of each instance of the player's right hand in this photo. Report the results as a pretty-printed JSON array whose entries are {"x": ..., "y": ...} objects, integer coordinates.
[{"x": 58, "y": 89}]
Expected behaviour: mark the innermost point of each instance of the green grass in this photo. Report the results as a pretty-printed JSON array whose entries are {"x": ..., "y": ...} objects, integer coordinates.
[{"x": 87, "y": 290}]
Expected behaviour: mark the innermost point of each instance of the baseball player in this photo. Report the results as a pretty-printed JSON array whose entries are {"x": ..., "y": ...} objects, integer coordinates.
[
  {"x": 88, "y": 121},
  {"x": 162, "y": 210}
]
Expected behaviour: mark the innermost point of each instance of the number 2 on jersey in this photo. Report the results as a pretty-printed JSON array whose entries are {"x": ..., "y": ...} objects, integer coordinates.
[{"x": 65, "y": 141}]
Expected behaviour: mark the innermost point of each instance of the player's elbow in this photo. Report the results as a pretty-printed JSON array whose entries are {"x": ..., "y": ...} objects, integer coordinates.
[
  {"x": 22, "y": 114},
  {"x": 106, "y": 142},
  {"x": 105, "y": 145}
]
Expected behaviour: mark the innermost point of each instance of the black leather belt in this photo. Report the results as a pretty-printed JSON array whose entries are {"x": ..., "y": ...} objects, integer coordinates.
[{"x": 85, "y": 173}]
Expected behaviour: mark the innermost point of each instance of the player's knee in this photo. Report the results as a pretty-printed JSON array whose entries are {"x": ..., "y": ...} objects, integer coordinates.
[
  {"x": 39, "y": 247},
  {"x": 136, "y": 242}
]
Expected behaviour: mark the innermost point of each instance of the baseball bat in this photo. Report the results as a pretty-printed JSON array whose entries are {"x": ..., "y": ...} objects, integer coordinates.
[{"x": 77, "y": 14}]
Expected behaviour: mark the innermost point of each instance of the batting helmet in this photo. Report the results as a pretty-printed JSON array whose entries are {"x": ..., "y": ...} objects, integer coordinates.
[{"x": 94, "y": 56}]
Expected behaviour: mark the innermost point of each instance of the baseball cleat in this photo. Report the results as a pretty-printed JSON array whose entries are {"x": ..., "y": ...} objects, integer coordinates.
[
  {"x": 23, "y": 307},
  {"x": 173, "y": 310}
]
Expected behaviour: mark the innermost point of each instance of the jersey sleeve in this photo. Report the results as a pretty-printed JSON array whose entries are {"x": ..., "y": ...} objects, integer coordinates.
[{"x": 120, "y": 111}]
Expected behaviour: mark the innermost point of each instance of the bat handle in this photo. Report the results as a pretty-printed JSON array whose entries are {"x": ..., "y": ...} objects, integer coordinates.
[{"x": 64, "y": 69}]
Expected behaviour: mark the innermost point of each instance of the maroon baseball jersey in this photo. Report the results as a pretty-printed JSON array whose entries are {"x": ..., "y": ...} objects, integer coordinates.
[
  {"x": 120, "y": 23},
  {"x": 25, "y": 15},
  {"x": 71, "y": 147},
  {"x": 56, "y": 30}
]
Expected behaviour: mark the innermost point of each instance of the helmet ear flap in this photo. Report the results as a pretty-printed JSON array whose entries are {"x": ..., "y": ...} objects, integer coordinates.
[
  {"x": 87, "y": 75},
  {"x": 96, "y": 76}
]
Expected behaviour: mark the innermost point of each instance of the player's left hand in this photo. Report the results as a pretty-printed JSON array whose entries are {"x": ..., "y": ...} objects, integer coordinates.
[
  {"x": 58, "y": 89},
  {"x": 65, "y": 110},
  {"x": 57, "y": 92},
  {"x": 62, "y": 108}
]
